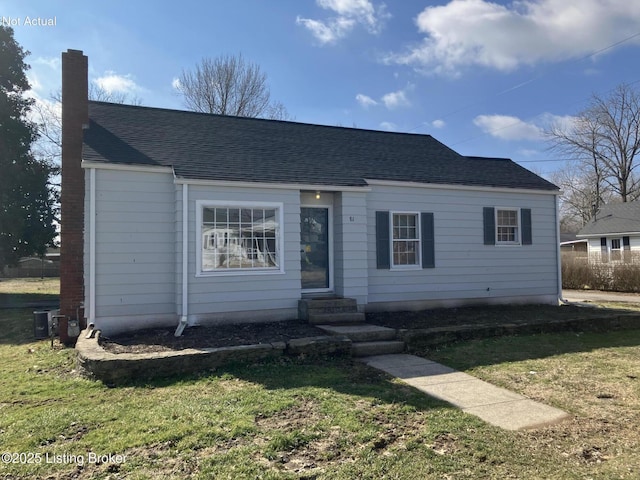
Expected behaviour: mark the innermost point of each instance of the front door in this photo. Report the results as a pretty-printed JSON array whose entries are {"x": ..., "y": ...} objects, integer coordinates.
[{"x": 314, "y": 248}]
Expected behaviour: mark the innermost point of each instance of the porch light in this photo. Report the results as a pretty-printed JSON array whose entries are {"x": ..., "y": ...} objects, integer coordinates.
[{"x": 318, "y": 195}]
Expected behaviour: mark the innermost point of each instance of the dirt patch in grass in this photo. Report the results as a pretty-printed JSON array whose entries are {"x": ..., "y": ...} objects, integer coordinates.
[{"x": 163, "y": 339}]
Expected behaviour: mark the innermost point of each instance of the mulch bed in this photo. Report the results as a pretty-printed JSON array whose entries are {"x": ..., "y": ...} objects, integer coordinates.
[
  {"x": 162, "y": 339},
  {"x": 491, "y": 315}
]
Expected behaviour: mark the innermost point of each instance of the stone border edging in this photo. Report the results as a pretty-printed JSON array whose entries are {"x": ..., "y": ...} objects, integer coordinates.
[
  {"x": 115, "y": 368},
  {"x": 427, "y": 337}
]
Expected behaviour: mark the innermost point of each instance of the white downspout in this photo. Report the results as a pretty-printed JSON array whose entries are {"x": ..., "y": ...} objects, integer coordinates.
[
  {"x": 558, "y": 254},
  {"x": 92, "y": 249},
  {"x": 184, "y": 319}
]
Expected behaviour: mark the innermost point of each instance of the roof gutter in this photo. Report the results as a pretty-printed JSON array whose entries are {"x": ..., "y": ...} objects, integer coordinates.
[
  {"x": 586, "y": 236},
  {"x": 281, "y": 186},
  {"x": 453, "y": 186}
]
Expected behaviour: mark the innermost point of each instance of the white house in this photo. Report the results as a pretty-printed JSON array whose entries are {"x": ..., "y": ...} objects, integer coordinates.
[
  {"x": 613, "y": 233},
  {"x": 205, "y": 218}
]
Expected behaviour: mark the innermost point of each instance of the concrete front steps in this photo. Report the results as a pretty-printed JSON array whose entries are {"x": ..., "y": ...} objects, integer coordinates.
[
  {"x": 329, "y": 311},
  {"x": 340, "y": 317}
]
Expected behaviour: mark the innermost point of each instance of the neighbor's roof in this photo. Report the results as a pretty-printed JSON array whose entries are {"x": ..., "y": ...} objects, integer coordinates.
[
  {"x": 217, "y": 147},
  {"x": 614, "y": 218}
]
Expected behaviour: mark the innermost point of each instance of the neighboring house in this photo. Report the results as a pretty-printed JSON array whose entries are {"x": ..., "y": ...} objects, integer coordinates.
[
  {"x": 30, "y": 267},
  {"x": 48, "y": 266},
  {"x": 570, "y": 244},
  {"x": 613, "y": 233},
  {"x": 205, "y": 218}
]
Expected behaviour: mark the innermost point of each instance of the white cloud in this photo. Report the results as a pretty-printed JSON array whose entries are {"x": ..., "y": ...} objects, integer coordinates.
[
  {"x": 562, "y": 122},
  {"x": 44, "y": 76},
  {"x": 349, "y": 14},
  {"x": 175, "y": 83},
  {"x": 52, "y": 62},
  {"x": 327, "y": 33},
  {"x": 365, "y": 101},
  {"x": 390, "y": 100},
  {"x": 506, "y": 127},
  {"x": 395, "y": 99},
  {"x": 389, "y": 126},
  {"x": 466, "y": 33},
  {"x": 111, "y": 82},
  {"x": 438, "y": 124},
  {"x": 527, "y": 152}
]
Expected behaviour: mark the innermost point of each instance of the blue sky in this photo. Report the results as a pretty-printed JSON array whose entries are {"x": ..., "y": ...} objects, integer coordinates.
[{"x": 483, "y": 77}]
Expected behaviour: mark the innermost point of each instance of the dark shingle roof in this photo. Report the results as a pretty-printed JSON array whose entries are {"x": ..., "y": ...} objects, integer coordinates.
[
  {"x": 614, "y": 218},
  {"x": 216, "y": 147}
]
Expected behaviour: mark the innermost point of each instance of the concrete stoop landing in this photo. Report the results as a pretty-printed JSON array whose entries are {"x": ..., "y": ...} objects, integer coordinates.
[{"x": 340, "y": 317}]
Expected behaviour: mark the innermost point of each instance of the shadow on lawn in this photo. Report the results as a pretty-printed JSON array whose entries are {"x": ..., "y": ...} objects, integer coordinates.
[
  {"x": 339, "y": 374},
  {"x": 515, "y": 348},
  {"x": 17, "y": 324},
  {"x": 29, "y": 300}
]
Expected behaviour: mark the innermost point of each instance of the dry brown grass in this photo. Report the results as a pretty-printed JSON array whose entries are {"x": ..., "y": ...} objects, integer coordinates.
[
  {"x": 46, "y": 286},
  {"x": 594, "y": 377}
]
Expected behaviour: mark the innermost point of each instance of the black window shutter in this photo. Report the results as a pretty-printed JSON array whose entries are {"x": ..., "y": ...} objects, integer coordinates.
[
  {"x": 428, "y": 240},
  {"x": 525, "y": 218},
  {"x": 382, "y": 240},
  {"x": 604, "y": 257},
  {"x": 626, "y": 243},
  {"x": 489, "y": 225}
]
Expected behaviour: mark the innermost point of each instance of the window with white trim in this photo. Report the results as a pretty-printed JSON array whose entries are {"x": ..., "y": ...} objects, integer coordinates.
[
  {"x": 240, "y": 237},
  {"x": 616, "y": 249},
  {"x": 405, "y": 239},
  {"x": 507, "y": 227}
]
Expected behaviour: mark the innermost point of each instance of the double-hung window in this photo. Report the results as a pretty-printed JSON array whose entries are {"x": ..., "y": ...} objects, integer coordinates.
[
  {"x": 507, "y": 227},
  {"x": 616, "y": 249},
  {"x": 239, "y": 236},
  {"x": 406, "y": 239}
]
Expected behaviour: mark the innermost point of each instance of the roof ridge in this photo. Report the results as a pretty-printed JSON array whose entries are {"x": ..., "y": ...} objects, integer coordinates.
[{"x": 260, "y": 119}]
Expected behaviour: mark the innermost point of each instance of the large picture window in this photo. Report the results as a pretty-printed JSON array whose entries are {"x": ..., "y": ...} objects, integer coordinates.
[
  {"x": 240, "y": 237},
  {"x": 406, "y": 239}
]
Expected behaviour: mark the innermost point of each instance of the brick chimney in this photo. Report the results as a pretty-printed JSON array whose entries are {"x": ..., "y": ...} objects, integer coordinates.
[{"x": 75, "y": 115}]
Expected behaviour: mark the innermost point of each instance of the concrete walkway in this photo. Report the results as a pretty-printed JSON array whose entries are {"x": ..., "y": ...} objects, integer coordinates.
[{"x": 492, "y": 404}]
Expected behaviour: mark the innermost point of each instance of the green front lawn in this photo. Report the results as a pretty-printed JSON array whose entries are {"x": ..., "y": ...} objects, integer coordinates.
[{"x": 331, "y": 419}]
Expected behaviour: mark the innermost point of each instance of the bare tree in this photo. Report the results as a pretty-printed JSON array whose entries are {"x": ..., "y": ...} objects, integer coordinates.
[
  {"x": 47, "y": 115},
  {"x": 99, "y": 94},
  {"x": 580, "y": 196},
  {"x": 229, "y": 85},
  {"x": 605, "y": 140}
]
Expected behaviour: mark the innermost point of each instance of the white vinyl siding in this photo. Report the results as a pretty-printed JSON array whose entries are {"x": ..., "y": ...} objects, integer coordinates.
[
  {"x": 615, "y": 248},
  {"x": 466, "y": 269},
  {"x": 350, "y": 240},
  {"x": 135, "y": 244}
]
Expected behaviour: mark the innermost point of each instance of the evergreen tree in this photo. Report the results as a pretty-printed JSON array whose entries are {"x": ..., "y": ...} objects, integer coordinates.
[{"x": 27, "y": 200}]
